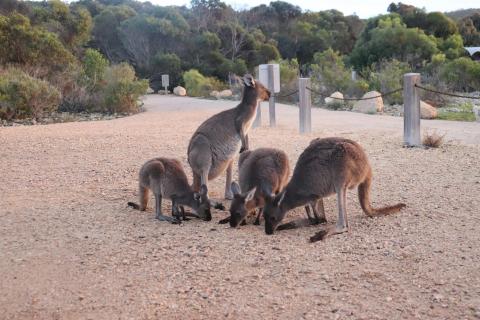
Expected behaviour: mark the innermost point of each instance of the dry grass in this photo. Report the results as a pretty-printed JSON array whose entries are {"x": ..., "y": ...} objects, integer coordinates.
[{"x": 433, "y": 139}]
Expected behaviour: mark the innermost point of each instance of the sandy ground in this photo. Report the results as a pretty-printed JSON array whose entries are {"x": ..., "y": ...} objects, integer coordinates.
[{"x": 71, "y": 249}]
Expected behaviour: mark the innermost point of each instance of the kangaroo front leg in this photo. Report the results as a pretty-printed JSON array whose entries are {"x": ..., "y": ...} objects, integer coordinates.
[
  {"x": 319, "y": 211},
  {"x": 244, "y": 138},
  {"x": 257, "y": 220},
  {"x": 228, "y": 182},
  {"x": 342, "y": 224},
  {"x": 158, "y": 211}
]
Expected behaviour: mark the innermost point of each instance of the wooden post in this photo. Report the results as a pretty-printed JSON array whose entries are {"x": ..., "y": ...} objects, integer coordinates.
[
  {"x": 411, "y": 110},
  {"x": 271, "y": 102},
  {"x": 258, "y": 119},
  {"x": 305, "y": 105}
]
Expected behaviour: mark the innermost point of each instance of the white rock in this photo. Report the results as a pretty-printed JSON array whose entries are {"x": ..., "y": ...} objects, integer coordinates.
[
  {"x": 215, "y": 94},
  {"x": 330, "y": 100},
  {"x": 225, "y": 93},
  {"x": 179, "y": 91},
  {"x": 476, "y": 111},
  {"x": 370, "y": 106},
  {"x": 150, "y": 90},
  {"x": 427, "y": 111}
]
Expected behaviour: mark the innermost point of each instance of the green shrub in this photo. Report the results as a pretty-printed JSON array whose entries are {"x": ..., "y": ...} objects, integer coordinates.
[
  {"x": 462, "y": 74},
  {"x": 198, "y": 85},
  {"x": 329, "y": 71},
  {"x": 121, "y": 90},
  {"x": 289, "y": 72},
  {"x": 94, "y": 66},
  {"x": 23, "y": 96},
  {"x": 387, "y": 76}
]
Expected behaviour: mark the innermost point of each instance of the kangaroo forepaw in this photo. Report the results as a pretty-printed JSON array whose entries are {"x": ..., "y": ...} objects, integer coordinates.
[
  {"x": 257, "y": 222},
  {"x": 321, "y": 235},
  {"x": 219, "y": 206},
  {"x": 287, "y": 226},
  {"x": 224, "y": 221}
]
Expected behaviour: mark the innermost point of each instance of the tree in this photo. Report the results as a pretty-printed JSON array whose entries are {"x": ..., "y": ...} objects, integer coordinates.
[
  {"x": 391, "y": 39},
  {"x": 23, "y": 44}
]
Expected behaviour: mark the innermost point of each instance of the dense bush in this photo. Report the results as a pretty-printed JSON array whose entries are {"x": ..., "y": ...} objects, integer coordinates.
[
  {"x": 24, "y": 96},
  {"x": 121, "y": 90},
  {"x": 289, "y": 73},
  {"x": 198, "y": 85},
  {"x": 462, "y": 74},
  {"x": 329, "y": 72},
  {"x": 386, "y": 76}
]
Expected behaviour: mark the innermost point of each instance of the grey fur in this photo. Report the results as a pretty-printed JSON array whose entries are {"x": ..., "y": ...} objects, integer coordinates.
[
  {"x": 326, "y": 166},
  {"x": 166, "y": 179},
  {"x": 261, "y": 172},
  {"x": 216, "y": 142}
]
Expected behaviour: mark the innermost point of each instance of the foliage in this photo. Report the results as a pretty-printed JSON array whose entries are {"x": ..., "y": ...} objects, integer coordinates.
[
  {"x": 386, "y": 76},
  {"x": 198, "y": 85},
  {"x": 122, "y": 90},
  {"x": 289, "y": 73},
  {"x": 464, "y": 113},
  {"x": 94, "y": 66},
  {"x": 330, "y": 72},
  {"x": 462, "y": 74},
  {"x": 24, "y": 96},
  {"x": 391, "y": 39},
  {"x": 24, "y": 44}
]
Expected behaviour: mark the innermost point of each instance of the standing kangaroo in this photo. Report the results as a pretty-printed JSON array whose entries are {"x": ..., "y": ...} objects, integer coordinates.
[
  {"x": 325, "y": 167},
  {"x": 166, "y": 179},
  {"x": 213, "y": 146},
  {"x": 261, "y": 172}
]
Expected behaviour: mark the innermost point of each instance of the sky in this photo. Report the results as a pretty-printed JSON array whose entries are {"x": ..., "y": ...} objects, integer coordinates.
[{"x": 364, "y": 9}]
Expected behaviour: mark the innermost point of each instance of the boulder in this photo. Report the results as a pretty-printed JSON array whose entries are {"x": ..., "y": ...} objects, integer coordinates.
[
  {"x": 225, "y": 93},
  {"x": 476, "y": 111},
  {"x": 179, "y": 91},
  {"x": 215, "y": 94},
  {"x": 370, "y": 106},
  {"x": 330, "y": 100},
  {"x": 427, "y": 111},
  {"x": 150, "y": 90}
]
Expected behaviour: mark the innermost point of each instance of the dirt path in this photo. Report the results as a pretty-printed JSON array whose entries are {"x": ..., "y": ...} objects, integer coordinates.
[{"x": 71, "y": 249}]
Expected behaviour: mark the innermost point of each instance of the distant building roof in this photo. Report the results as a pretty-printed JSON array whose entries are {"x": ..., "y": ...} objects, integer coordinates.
[{"x": 472, "y": 50}]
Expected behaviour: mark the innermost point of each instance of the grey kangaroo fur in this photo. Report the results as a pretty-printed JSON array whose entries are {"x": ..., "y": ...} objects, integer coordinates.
[
  {"x": 166, "y": 179},
  {"x": 326, "y": 166},
  {"x": 261, "y": 172},
  {"x": 213, "y": 146}
]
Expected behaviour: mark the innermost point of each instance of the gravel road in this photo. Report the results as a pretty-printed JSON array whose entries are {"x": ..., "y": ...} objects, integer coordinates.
[{"x": 71, "y": 249}]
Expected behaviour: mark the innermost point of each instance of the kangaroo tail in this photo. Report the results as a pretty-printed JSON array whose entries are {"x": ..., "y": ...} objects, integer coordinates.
[
  {"x": 133, "y": 205},
  {"x": 364, "y": 197}
]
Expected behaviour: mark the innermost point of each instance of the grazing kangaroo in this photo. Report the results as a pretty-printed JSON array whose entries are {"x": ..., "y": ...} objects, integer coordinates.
[
  {"x": 261, "y": 172},
  {"x": 325, "y": 167},
  {"x": 213, "y": 146},
  {"x": 166, "y": 179}
]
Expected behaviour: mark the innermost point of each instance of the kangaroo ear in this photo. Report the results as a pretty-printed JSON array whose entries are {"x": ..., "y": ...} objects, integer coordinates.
[
  {"x": 203, "y": 190},
  {"x": 279, "y": 198},
  {"x": 250, "y": 194},
  {"x": 249, "y": 81},
  {"x": 235, "y": 188}
]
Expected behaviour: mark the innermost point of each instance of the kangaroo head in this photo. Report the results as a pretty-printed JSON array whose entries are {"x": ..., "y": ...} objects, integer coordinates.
[
  {"x": 255, "y": 88},
  {"x": 273, "y": 212},
  {"x": 240, "y": 205},
  {"x": 202, "y": 203}
]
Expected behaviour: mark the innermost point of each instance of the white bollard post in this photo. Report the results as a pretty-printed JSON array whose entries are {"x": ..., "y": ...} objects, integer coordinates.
[
  {"x": 271, "y": 101},
  {"x": 305, "y": 105},
  {"x": 411, "y": 110}
]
